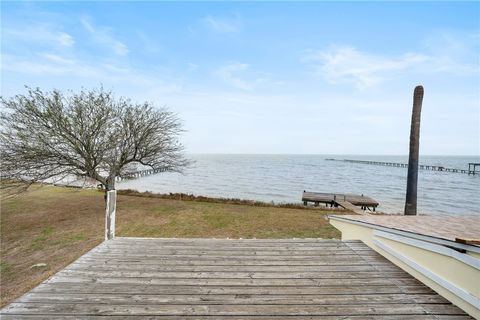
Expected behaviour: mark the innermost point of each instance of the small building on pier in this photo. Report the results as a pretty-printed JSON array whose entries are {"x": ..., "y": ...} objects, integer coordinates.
[{"x": 472, "y": 167}]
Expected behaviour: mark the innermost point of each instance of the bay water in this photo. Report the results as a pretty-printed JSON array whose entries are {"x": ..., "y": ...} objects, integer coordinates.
[{"x": 282, "y": 179}]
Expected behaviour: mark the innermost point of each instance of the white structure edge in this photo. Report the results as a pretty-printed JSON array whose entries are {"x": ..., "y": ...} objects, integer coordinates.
[
  {"x": 465, "y": 258},
  {"x": 409, "y": 234},
  {"x": 459, "y": 292}
]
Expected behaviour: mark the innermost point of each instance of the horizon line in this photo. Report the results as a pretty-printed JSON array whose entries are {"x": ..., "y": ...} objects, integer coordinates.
[{"x": 330, "y": 154}]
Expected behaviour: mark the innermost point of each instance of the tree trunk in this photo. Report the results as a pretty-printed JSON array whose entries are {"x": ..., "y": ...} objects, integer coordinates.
[
  {"x": 412, "y": 176},
  {"x": 110, "y": 208}
]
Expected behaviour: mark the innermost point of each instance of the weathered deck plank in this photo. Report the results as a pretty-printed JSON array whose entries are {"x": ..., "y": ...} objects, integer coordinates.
[
  {"x": 256, "y": 317},
  {"x": 313, "y": 299},
  {"x": 247, "y": 310},
  {"x": 133, "y": 278}
]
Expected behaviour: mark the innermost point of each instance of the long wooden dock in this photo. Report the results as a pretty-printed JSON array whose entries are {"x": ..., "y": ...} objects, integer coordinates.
[
  {"x": 139, "y": 174},
  {"x": 84, "y": 182},
  {"x": 348, "y": 201},
  {"x": 405, "y": 165},
  {"x": 135, "y": 278}
]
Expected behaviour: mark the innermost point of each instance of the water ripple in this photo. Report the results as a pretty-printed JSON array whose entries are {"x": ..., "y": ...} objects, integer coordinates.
[{"x": 282, "y": 178}]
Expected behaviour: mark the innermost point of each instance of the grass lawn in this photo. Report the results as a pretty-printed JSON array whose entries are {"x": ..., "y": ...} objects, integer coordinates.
[{"x": 55, "y": 226}]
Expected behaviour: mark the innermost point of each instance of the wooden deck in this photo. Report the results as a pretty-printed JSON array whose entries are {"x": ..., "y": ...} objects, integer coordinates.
[
  {"x": 347, "y": 201},
  {"x": 134, "y": 278}
]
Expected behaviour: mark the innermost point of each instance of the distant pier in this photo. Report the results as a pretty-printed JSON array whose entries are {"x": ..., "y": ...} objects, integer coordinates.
[
  {"x": 85, "y": 182},
  {"x": 472, "y": 167},
  {"x": 139, "y": 174}
]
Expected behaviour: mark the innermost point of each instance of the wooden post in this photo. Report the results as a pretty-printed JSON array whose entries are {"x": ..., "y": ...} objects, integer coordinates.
[
  {"x": 110, "y": 210},
  {"x": 412, "y": 175}
]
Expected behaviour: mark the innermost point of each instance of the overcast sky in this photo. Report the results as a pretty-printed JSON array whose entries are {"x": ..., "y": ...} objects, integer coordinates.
[{"x": 267, "y": 77}]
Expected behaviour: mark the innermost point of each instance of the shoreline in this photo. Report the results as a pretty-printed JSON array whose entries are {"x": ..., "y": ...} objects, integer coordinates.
[{"x": 199, "y": 198}]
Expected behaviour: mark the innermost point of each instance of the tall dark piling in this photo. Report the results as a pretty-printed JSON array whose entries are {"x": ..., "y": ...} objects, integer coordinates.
[{"x": 412, "y": 175}]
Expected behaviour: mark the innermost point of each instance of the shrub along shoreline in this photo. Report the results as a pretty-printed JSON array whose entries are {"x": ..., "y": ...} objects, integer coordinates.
[{"x": 191, "y": 197}]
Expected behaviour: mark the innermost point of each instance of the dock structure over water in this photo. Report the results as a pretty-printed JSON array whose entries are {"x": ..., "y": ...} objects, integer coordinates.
[
  {"x": 140, "y": 173},
  {"x": 346, "y": 201},
  {"x": 145, "y": 278},
  {"x": 471, "y": 166},
  {"x": 85, "y": 182}
]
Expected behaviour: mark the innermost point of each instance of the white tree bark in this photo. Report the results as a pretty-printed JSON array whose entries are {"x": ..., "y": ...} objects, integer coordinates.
[{"x": 110, "y": 210}]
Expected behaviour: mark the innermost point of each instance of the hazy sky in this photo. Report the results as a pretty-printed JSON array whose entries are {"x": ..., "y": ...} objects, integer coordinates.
[{"x": 313, "y": 77}]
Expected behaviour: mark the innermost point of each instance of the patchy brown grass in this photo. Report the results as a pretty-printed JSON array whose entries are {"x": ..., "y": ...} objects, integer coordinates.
[
  {"x": 55, "y": 226},
  {"x": 47, "y": 225}
]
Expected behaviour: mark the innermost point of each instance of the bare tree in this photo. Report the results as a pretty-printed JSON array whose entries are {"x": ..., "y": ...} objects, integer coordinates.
[{"x": 45, "y": 135}]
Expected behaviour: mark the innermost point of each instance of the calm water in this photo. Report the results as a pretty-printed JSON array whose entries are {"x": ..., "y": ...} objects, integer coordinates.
[{"x": 282, "y": 178}]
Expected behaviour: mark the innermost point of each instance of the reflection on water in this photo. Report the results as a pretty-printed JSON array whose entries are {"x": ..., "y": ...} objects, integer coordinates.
[{"x": 282, "y": 178}]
